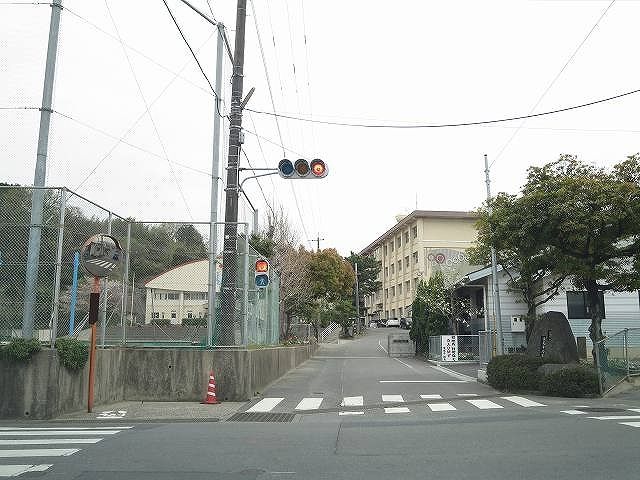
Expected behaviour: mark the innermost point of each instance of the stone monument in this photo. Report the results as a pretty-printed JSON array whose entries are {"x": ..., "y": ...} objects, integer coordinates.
[{"x": 553, "y": 339}]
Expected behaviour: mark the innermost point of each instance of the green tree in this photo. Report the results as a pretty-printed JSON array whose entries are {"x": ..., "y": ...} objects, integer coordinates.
[
  {"x": 511, "y": 226},
  {"x": 591, "y": 217},
  {"x": 368, "y": 271},
  {"x": 432, "y": 310},
  {"x": 189, "y": 245}
]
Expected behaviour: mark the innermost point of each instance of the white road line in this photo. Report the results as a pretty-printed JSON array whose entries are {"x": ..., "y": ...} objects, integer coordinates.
[
  {"x": 440, "y": 407},
  {"x": 397, "y": 410},
  {"x": 50, "y": 441},
  {"x": 265, "y": 405},
  {"x": 434, "y": 396},
  {"x": 452, "y": 373},
  {"x": 617, "y": 417},
  {"x": 423, "y": 381},
  {"x": 523, "y": 402},
  {"x": 353, "y": 401},
  {"x": 466, "y": 394},
  {"x": 392, "y": 398},
  {"x": 39, "y": 452},
  {"x": 15, "y": 470},
  {"x": 380, "y": 345},
  {"x": 58, "y": 432},
  {"x": 631, "y": 424},
  {"x": 350, "y": 413},
  {"x": 573, "y": 412},
  {"x": 309, "y": 404},
  {"x": 484, "y": 404},
  {"x": 405, "y": 364},
  {"x": 64, "y": 428},
  {"x": 637, "y": 410}
]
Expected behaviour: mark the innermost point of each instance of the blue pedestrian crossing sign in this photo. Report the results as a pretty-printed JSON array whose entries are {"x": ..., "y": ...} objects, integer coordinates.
[{"x": 262, "y": 280}]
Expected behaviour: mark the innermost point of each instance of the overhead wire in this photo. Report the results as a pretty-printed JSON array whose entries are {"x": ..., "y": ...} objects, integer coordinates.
[
  {"x": 456, "y": 124},
  {"x": 144, "y": 100},
  {"x": 566, "y": 64}
]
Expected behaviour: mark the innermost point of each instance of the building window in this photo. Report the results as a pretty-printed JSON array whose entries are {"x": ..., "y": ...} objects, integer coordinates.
[
  {"x": 400, "y": 266},
  {"x": 406, "y": 237},
  {"x": 189, "y": 314},
  {"x": 157, "y": 296},
  {"x": 399, "y": 240},
  {"x": 393, "y": 313},
  {"x": 384, "y": 250},
  {"x": 386, "y": 272},
  {"x": 173, "y": 314},
  {"x": 173, "y": 296},
  {"x": 392, "y": 269},
  {"x": 386, "y": 314},
  {"x": 386, "y": 293},
  {"x": 400, "y": 289},
  {"x": 392, "y": 245},
  {"x": 393, "y": 291},
  {"x": 578, "y": 306},
  {"x": 407, "y": 287},
  {"x": 156, "y": 314},
  {"x": 406, "y": 262},
  {"x": 415, "y": 257},
  {"x": 414, "y": 231}
]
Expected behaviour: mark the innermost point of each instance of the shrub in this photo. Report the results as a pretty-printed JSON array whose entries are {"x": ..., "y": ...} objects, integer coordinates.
[
  {"x": 514, "y": 372},
  {"x": 573, "y": 381},
  {"x": 73, "y": 353},
  {"x": 20, "y": 349},
  {"x": 197, "y": 322}
]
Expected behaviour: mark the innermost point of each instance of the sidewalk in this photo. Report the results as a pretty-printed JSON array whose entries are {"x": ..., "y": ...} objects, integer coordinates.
[{"x": 136, "y": 411}]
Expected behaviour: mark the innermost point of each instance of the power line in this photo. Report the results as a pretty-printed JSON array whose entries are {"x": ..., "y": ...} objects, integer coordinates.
[
  {"x": 259, "y": 184},
  {"x": 445, "y": 125},
  {"x": 144, "y": 100},
  {"x": 575, "y": 52}
]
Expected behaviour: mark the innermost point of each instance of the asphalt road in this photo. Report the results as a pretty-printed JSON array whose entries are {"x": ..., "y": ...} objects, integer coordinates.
[{"x": 546, "y": 439}]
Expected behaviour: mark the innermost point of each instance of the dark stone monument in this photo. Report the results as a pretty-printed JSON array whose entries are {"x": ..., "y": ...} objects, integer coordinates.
[
  {"x": 582, "y": 346},
  {"x": 553, "y": 339}
]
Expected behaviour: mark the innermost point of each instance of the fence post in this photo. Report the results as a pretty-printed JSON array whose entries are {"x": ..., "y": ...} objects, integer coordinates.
[
  {"x": 56, "y": 286},
  {"x": 598, "y": 366},
  {"x": 125, "y": 286},
  {"x": 626, "y": 353},
  {"x": 105, "y": 296}
]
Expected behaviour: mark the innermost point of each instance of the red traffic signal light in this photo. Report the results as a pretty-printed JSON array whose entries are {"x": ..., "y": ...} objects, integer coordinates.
[
  {"x": 262, "y": 266},
  {"x": 318, "y": 168},
  {"x": 302, "y": 169}
]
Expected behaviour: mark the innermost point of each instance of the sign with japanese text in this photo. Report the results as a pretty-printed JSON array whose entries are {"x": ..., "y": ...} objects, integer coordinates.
[{"x": 449, "y": 345}]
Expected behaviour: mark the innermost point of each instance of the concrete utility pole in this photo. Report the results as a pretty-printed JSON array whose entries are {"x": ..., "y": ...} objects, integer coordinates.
[
  {"x": 37, "y": 196},
  {"x": 317, "y": 240},
  {"x": 230, "y": 253},
  {"x": 357, "y": 299},
  {"x": 215, "y": 178},
  {"x": 494, "y": 270}
]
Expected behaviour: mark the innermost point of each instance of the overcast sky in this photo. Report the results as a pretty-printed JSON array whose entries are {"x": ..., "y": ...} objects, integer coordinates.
[{"x": 364, "y": 61}]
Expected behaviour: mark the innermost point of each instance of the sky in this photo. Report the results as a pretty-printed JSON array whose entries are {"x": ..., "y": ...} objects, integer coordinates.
[{"x": 134, "y": 125}]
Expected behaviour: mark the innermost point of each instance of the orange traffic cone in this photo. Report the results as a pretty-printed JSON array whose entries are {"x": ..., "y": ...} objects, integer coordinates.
[{"x": 211, "y": 398}]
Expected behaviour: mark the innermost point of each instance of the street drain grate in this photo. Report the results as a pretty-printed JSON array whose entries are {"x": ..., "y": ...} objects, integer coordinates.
[
  {"x": 262, "y": 417},
  {"x": 602, "y": 409}
]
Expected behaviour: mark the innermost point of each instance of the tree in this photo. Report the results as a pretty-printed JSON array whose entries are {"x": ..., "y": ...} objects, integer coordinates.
[
  {"x": 512, "y": 228},
  {"x": 591, "y": 217},
  {"x": 368, "y": 271},
  {"x": 432, "y": 310},
  {"x": 189, "y": 245}
]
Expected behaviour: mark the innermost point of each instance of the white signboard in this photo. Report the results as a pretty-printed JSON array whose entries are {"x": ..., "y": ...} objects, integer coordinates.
[{"x": 449, "y": 345}]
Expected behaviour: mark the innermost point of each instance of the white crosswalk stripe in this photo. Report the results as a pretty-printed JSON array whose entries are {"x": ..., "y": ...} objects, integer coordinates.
[
  {"x": 431, "y": 396},
  {"x": 265, "y": 405},
  {"x": 466, "y": 394},
  {"x": 309, "y": 404},
  {"x": 353, "y": 401},
  {"x": 631, "y": 424},
  {"x": 573, "y": 412},
  {"x": 396, "y": 410},
  {"x": 392, "y": 398},
  {"x": 12, "y": 437},
  {"x": 441, "y": 407},
  {"x": 523, "y": 402},
  {"x": 484, "y": 404}
]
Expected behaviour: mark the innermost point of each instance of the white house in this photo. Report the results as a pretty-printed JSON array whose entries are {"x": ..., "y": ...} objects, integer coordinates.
[
  {"x": 180, "y": 292},
  {"x": 622, "y": 309}
]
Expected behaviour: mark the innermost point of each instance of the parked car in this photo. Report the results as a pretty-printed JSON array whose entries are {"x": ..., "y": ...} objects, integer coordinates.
[
  {"x": 382, "y": 323},
  {"x": 393, "y": 322},
  {"x": 406, "y": 323}
]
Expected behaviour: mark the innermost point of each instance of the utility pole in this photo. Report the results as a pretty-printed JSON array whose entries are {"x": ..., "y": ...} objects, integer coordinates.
[
  {"x": 215, "y": 178},
  {"x": 494, "y": 270},
  {"x": 317, "y": 240},
  {"x": 37, "y": 195},
  {"x": 357, "y": 298},
  {"x": 230, "y": 253}
]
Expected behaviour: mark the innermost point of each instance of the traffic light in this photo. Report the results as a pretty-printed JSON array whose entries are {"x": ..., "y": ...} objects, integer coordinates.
[
  {"x": 262, "y": 273},
  {"x": 302, "y": 169}
]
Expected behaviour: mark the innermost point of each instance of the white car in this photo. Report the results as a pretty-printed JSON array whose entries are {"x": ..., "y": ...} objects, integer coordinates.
[{"x": 393, "y": 322}]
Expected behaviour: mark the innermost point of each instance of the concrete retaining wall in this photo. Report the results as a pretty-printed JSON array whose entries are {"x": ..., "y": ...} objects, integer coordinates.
[{"x": 42, "y": 388}]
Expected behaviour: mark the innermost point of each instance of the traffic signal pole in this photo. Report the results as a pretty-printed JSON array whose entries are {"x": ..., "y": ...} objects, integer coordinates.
[{"x": 230, "y": 253}]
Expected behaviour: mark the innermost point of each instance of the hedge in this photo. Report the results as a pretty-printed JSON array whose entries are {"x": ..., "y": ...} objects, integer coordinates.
[
  {"x": 574, "y": 381},
  {"x": 514, "y": 372},
  {"x": 73, "y": 353},
  {"x": 20, "y": 349}
]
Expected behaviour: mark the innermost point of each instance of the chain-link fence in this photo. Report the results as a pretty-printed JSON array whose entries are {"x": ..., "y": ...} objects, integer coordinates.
[
  {"x": 159, "y": 297},
  {"x": 458, "y": 348},
  {"x": 618, "y": 358}
]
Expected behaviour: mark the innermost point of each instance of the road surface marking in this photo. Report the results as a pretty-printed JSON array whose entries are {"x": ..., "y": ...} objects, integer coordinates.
[
  {"x": 631, "y": 424},
  {"x": 617, "y": 417},
  {"x": 440, "y": 407},
  {"x": 63, "y": 428},
  {"x": 15, "y": 470},
  {"x": 347, "y": 358},
  {"x": 452, "y": 373},
  {"x": 637, "y": 410},
  {"x": 39, "y": 452},
  {"x": 350, "y": 413},
  {"x": 405, "y": 364},
  {"x": 484, "y": 404},
  {"x": 467, "y": 394},
  {"x": 392, "y": 398},
  {"x": 24, "y": 433},
  {"x": 431, "y": 396},
  {"x": 380, "y": 345},
  {"x": 309, "y": 404},
  {"x": 50, "y": 441},
  {"x": 573, "y": 412},
  {"x": 352, "y": 401},
  {"x": 423, "y": 381},
  {"x": 265, "y": 405},
  {"x": 523, "y": 402},
  {"x": 397, "y": 410}
]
